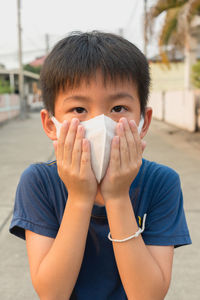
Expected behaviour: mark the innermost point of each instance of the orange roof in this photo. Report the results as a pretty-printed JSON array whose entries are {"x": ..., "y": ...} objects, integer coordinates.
[{"x": 38, "y": 61}]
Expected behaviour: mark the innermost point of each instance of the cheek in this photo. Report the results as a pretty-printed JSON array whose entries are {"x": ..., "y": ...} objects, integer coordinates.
[
  {"x": 66, "y": 117},
  {"x": 61, "y": 117},
  {"x": 133, "y": 116},
  {"x": 115, "y": 118},
  {"x": 128, "y": 116}
]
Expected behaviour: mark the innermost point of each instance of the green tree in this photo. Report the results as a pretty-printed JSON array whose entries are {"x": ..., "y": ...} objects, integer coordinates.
[
  {"x": 32, "y": 69},
  {"x": 196, "y": 74},
  {"x": 5, "y": 87},
  {"x": 175, "y": 30}
]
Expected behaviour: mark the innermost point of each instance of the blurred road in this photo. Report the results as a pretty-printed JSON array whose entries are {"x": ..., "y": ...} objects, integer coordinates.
[{"x": 24, "y": 142}]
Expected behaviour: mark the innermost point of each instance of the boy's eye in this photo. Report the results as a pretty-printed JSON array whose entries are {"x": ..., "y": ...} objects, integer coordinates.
[
  {"x": 119, "y": 107},
  {"x": 79, "y": 110}
]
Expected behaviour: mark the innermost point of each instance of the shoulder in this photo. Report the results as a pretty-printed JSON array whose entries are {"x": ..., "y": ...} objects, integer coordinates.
[
  {"x": 36, "y": 201},
  {"x": 162, "y": 200},
  {"x": 161, "y": 188},
  {"x": 156, "y": 169},
  {"x": 156, "y": 182},
  {"x": 40, "y": 171},
  {"x": 41, "y": 167},
  {"x": 40, "y": 177},
  {"x": 158, "y": 174}
]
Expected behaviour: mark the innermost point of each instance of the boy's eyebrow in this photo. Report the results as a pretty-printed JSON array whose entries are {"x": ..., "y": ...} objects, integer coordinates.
[
  {"x": 110, "y": 97},
  {"x": 120, "y": 95}
]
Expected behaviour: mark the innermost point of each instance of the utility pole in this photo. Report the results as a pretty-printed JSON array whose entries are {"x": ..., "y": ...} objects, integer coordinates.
[
  {"x": 21, "y": 75},
  {"x": 145, "y": 27},
  {"x": 47, "y": 43},
  {"x": 187, "y": 52},
  {"x": 121, "y": 31}
]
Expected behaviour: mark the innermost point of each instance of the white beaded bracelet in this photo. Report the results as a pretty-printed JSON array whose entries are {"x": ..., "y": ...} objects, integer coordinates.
[{"x": 140, "y": 230}]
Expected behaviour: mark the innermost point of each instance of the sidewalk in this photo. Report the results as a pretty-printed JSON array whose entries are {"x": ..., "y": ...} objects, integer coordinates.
[
  {"x": 180, "y": 150},
  {"x": 21, "y": 143},
  {"x": 24, "y": 142}
]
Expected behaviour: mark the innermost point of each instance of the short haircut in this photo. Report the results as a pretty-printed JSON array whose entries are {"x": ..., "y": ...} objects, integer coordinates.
[{"x": 78, "y": 57}]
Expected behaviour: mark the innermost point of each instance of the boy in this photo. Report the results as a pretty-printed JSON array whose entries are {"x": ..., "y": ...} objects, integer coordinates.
[{"x": 65, "y": 215}]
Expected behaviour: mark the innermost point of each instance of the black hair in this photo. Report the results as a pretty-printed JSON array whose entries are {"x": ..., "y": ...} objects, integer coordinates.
[{"x": 78, "y": 57}]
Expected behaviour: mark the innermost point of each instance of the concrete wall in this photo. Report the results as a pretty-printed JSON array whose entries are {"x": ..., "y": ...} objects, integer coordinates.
[
  {"x": 167, "y": 79},
  {"x": 9, "y": 106},
  {"x": 35, "y": 102},
  {"x": 156, "y": 102},
  {"x": 175, "y": 107}
]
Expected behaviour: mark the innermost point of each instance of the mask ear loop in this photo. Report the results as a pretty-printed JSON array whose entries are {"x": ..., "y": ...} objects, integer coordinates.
[
  {"x": 141, "y": 124},
  {"x": 57, "y": 124},
  {"x": 55, "y": 121}
]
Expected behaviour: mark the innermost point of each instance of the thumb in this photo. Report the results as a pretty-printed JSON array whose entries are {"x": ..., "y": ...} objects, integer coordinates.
[
  {"x": 55, "y": 143},
  {"x": 144, "y": 143}
]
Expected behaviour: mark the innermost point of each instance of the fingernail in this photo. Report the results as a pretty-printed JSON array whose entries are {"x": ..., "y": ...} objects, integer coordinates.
[
  {"x": 123, "y": 120},
  {"x": 80, "y": 128},
  {"x": 132, "y": 122},
  {"x": 74, "y": 121},
  {"x": 144, "y": 143},
  {"x": 65, "y": 123},
  {"x": 54, "y": 143}
]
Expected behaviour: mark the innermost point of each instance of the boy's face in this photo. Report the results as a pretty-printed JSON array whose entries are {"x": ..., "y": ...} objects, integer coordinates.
[{"x": 93, "y": 99}]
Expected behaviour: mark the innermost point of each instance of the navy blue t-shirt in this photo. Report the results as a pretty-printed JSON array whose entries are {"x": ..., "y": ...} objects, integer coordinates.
[{"x": 156, "y": 191}]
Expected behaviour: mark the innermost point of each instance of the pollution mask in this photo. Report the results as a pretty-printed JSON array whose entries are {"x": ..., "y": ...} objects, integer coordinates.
[{"x": 100, "y": 132}]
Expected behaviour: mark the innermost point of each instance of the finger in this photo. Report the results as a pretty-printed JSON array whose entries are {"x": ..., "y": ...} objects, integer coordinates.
[
  {"x": 69, "y": 141},
  {"x": 76, "y": 155},
  {"x": 136, "y": 136},
  {"x": 61, "y": 140},
  {"x": 124, "y": 151},
  {"x": 55, "y": 145},
  {"x": 130, "y": 140},
  {"x": 143, "y": 145},
  {"x": 85, "y": 157},
  {"x": 114, "y": 164}
]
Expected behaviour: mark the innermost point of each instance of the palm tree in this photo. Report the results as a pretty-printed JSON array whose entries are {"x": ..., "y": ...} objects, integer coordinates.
[{"x": 175, "y": 31}]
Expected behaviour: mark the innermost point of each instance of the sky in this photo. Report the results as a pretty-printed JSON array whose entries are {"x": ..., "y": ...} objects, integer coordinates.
[{"x": 58, "y": 18}]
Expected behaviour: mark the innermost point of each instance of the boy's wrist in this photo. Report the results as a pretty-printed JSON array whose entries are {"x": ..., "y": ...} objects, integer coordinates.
[
  {"x": 117, "y": 200},
  {"x": 82, "y": 202}
]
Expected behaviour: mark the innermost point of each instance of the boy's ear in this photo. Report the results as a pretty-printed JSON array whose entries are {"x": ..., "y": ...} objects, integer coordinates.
[
  {"x": 48, "y": 125},
  {"x": 147, "y": 121}
]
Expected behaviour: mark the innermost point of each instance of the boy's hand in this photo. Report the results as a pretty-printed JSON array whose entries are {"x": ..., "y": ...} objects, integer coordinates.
[
  {"x": 73, "y": 162},
  {"x": 125, "y": 161}
]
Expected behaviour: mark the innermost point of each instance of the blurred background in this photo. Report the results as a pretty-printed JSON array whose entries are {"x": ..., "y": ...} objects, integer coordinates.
[{"x": 168, "y": 33}]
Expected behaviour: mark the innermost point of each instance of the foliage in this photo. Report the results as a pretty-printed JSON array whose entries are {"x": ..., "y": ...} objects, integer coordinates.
[
  {"x": 2, "y": 66},
  {"x": 196, "y": 74},
  {"x": 32, "y": 69},
  {"x": 175, "y": 30},
  {"x": 5, "y": 87}
]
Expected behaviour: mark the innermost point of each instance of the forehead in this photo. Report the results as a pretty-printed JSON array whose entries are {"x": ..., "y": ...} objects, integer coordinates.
[{"x": 99, "y": 84}]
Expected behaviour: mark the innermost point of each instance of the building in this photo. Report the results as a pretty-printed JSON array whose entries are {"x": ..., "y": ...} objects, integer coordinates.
[{"x": 10, "y": 100}]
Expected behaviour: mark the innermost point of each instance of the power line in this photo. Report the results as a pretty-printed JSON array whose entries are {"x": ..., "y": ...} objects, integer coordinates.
[
  {"x": 24, "y": 52},
  {"x": 34, "y": 44},
  {"x": 133, "y": 12},
  {"x": 48, "y": 41}
]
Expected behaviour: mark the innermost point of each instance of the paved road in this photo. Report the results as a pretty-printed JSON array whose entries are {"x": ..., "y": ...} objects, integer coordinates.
[
  {"x": 23, "y": 142},
  {"x": 181, "y": 151}
]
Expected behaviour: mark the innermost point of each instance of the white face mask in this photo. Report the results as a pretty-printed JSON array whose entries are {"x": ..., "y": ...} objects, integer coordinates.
[{"x": 100, "y": 132}]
